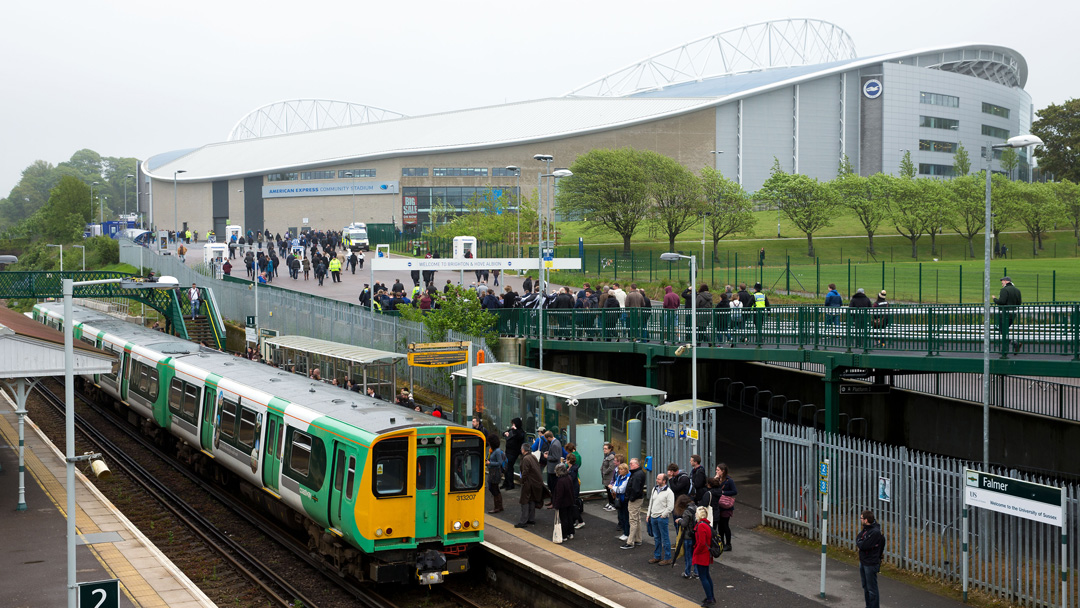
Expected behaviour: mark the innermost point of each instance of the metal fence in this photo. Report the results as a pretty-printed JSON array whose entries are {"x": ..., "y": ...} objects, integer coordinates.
[
  {"x": 295, "y": 313},
  {"x": 1011, "y": 558}
]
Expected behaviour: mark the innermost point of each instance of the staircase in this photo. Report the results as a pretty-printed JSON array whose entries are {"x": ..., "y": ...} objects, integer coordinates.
[{"x": 200, "y": 331}]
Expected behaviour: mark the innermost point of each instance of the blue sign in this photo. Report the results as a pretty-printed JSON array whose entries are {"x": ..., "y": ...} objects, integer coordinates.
[
  {"x": 669, "y": 432},
  {"x": 872, "y": 88},
  {"x": 823, "y": 469},
  {"x": 823, "y": 486}
]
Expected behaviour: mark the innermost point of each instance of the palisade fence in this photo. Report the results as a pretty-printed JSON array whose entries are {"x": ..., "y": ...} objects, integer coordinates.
[
  {"x": 1010, "y": 558},
  {"x": 295, "y": 313}
]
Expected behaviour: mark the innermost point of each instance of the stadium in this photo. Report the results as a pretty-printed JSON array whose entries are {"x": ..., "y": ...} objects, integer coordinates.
[{"x": 793, "y": 90}]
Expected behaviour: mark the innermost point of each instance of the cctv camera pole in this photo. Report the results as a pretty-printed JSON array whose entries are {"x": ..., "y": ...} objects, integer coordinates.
[
  {"x": 694, "y": 343},
  {"x": 69, "y": 426}
]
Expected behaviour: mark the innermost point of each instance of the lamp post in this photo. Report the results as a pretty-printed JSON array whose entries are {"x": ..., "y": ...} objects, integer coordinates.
[
  {"x": 352, "y": 191},
  {"x": 69, "y": 409},
  {"x": 517, "y": 174},
  {"x": 127, "y": 177},
  {"x": 91, "y": 218},
  {"x": 61, "y": 247},
  {"x": 544, "y": 158},
  {"x": 1020, "y": 141},
  {"x": 101, "y": 212},
  {"x": 674, "y": 257},
  {"x": 175, "y": 222},
  {"x": 83, "y": 247}
]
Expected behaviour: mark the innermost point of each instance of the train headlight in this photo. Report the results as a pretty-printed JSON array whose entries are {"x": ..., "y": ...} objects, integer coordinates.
[
  {"x": 475, "y": 524},
  {"x": 466, "y": 525},
  {"x": 378, "y": 532},
  {"x": 457, "y": 525},
  {"x": 438, "y": 441}
]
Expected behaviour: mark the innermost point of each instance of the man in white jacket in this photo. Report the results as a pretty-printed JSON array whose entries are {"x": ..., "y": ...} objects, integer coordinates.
[{"x": 661, "y": 504}]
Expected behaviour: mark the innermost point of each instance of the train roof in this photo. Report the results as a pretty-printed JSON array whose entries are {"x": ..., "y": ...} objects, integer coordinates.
[{"x": 349, "y": 407}]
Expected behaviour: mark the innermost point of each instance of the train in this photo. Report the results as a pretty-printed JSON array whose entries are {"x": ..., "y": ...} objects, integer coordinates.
[{"x": 384, "y": 493}]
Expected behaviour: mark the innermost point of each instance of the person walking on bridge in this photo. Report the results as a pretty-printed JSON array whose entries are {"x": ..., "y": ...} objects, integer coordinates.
[{"x": 1008, "y": 299}]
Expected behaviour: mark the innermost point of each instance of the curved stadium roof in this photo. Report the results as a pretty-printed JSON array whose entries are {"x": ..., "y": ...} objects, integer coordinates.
[{"x": 545, "y": 119}]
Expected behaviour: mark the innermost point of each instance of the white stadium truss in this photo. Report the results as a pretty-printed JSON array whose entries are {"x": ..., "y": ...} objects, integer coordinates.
[
  {"x": 299, "y": 115},
  {"x": 770, "y": 44}
]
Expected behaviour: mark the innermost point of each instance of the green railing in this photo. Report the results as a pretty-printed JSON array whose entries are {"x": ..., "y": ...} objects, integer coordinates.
[{"x": 1038, "y": 329}]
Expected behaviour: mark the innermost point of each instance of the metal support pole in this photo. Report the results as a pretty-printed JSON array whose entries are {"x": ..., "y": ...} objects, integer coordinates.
[
  {"x": 69, "y": 426},
  {"x": 824, "y": 531},
  {"x": 469, "y": 384},
  {"x": 986, "y": 322},
  {"x": 964, "y": 561},
  {"x": 540, "y": 264},
  {"x": 20, "y": 401},
  {"x": 694, "y": 346}
]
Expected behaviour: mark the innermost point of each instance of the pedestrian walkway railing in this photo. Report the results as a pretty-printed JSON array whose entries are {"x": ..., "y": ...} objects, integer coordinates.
[
  {"x": 1042, "y": 329},
  {"x": 918, "y": 500}
]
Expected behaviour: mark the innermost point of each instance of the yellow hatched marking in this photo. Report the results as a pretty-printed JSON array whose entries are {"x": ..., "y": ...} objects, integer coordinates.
[
  {"x": 135, "y": 587},
  {"x": 628, "y": 580}
]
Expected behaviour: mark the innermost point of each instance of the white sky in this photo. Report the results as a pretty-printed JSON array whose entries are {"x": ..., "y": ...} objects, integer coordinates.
[{"x": 129, "y": 78}]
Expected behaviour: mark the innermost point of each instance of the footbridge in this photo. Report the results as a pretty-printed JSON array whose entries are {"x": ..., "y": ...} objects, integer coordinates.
[
  {"x": 1029, "y": 340},
  {"x": 174, "y": 308}
]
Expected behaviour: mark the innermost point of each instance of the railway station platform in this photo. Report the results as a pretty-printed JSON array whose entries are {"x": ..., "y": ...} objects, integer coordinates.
[{"x": 34, "y": 556}]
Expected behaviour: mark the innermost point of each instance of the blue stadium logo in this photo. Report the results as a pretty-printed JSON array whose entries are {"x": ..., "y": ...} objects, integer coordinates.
[
  {"x": 872, "y": 88},
  {"x": 383, "y": 186}
]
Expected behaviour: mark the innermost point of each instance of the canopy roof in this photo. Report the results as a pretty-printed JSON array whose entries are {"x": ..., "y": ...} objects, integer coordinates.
[
  {"x": 683, "y": 406},
  {"x": 348, "y": 352},
  {"x": 566, "y": 386},
  {"x": 29, "y": 349}
]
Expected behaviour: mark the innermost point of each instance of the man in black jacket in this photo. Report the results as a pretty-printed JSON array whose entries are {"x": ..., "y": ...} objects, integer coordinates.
[
  {"x": 678, "y": 481},
  {"x": 871, "y": 544},
  {"x": 635, "y": 493},
  {"x": 1008, "y": 300},
  {"x": 698, "y": 478},
  {"x": 515, "y": 437}
]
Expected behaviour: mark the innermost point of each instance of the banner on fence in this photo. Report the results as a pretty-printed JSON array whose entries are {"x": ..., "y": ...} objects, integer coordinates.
[{"x": 471, "y": 264}]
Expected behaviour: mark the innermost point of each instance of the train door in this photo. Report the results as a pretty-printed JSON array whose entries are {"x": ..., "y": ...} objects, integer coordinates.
[
  {"x": 428, "y": 491},
  {"x": 343, "y": 490},
  {"x": 272, "y": 456},
  {"x": 206, "y": 434},
  {"x": 124, "y": 375}
]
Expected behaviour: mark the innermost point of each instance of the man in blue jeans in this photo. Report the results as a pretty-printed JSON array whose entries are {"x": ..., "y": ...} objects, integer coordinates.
[
  {"x": 660, "y": 506},
  {"x": 871, "y": 544}
]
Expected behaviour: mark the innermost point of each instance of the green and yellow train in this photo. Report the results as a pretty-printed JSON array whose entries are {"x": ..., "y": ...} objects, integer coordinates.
[{"x": 384, "y": 493}]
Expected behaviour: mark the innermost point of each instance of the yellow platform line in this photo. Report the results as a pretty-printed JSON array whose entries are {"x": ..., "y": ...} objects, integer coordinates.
[{"x": 628, "y": 580}]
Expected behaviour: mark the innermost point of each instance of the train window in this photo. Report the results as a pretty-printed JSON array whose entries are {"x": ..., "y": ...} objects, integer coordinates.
[
  {"x": 176, "y": 394},
  {"x": 300, "y": 453},
  {"x": 227, "y": 424},
  {"x": 191, "y": 401},
  {"x": 390, "y": 470},
  {"x": 427, "y": 472},
  {"x": 351, "y": 478},
  {"x": 144, "y": 381},
  {"x": 246, "y": 437},
  {"x": 466, "y": 463},
  {"x": 339, "y": 470}
]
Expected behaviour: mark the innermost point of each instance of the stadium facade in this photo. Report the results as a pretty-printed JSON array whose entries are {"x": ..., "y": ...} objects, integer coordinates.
[{"x": 794, "y": 91}]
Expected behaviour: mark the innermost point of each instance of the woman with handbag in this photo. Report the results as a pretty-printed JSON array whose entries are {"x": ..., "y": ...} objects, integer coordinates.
[
  {"x": 702, "y": 558},
  {"x": 562, "y": 498},
  {"x": 726, "y": 502}
]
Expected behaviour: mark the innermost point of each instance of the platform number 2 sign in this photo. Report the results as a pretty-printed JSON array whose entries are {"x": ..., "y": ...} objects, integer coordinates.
[{"x": 100, "y": 594}]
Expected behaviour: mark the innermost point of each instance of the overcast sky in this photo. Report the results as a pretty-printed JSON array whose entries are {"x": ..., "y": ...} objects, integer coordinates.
[{"x": 128, "y": 78}]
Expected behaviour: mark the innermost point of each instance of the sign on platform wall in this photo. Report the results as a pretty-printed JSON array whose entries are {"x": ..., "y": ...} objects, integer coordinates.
[
  {"x": 1024, "y": 499},
  {"x": 470, "y": 264},
  {"x": 288, "y": 190}
]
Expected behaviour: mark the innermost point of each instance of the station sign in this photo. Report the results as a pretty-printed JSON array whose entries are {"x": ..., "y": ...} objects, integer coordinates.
[
  {"x": 436, "y": 264},
  {"x": 100, "y": 594},
  {"x": 438, "y": 354},
  {"x": 865, "y": 389},
  {"x": 1024, "y": 499}
]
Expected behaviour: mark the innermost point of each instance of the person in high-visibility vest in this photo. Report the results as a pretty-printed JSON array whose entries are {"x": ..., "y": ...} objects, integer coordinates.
[
  {"x": 761, "y": 302},
  {"x": 335, "y": 270}
]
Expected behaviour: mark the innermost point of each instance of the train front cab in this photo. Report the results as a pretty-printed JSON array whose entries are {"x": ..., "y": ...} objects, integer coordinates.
[{"x": 422, "y": 518}]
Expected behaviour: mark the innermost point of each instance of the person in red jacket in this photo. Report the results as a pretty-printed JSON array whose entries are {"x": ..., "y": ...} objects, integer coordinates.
[{"x": 702, "y": 558}]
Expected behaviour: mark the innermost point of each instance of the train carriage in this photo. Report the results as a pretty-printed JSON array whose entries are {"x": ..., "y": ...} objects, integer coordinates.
[{"x": 385, "y": 493}]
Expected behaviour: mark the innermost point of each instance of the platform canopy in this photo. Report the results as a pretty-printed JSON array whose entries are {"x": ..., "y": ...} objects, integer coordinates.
[
  {"x": 566, "y": 386},
  {"x": 29, "y": 349},
  {"x": 335, "y": 350}
]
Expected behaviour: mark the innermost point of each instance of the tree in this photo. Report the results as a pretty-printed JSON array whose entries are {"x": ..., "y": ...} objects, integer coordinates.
[
  {"x": 1009, "y": 161},
  {"x": 907, "y": 168},
  {"x": 1004, "y": 203},
  {"x": 62, "y": 219},
  {"x": 610, "y": 188},
  {"x": 1058, "y": 126},
  {"x": 729, "y": 207},
  {"x": 961, "y": 161},
  {"x": 805, "y": 201},
  {"x": 968, "y": 195},
  {"x": 862, "y": 196},
  {"x": 1038, "y": 210},
  {"x": 1068, "y": 194},
  {"x": 675, "y": 193},
  {"x": 906, "y": 211},
  {"x": 458, "y": 309},
  {"x": 938, "y": 209}
]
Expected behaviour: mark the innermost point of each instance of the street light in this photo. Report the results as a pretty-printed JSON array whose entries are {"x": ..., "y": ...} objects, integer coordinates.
[
  {"x": 716, "y": 166},
  {"x": 517, "y": 173},
  {"x": 1020, "y": 141},
  {"x": 175, "y": 222},
  {"x": 126, "y": 177},
  {"x": 61, "y": 255},
  {"x": 91, "y": 219},
  {"x": 69, "y": 409},
  {"x": 675, "y": 257},
  {"x": 101, "y": 211},
  {"x": 83, "y": 247},
  {"x": 352, "y": 190}
]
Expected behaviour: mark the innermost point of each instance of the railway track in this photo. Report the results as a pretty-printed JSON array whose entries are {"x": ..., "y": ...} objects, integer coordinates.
[{"x": 274, "y": 585}]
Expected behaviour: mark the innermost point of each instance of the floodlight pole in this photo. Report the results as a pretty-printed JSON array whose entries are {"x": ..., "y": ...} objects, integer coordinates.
[
  {"x": 61, "y": 247},
  {"x": 670, "y": 257},
  {"x": 83, "y": 247},
  {"x": 175, "y": 220}
]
